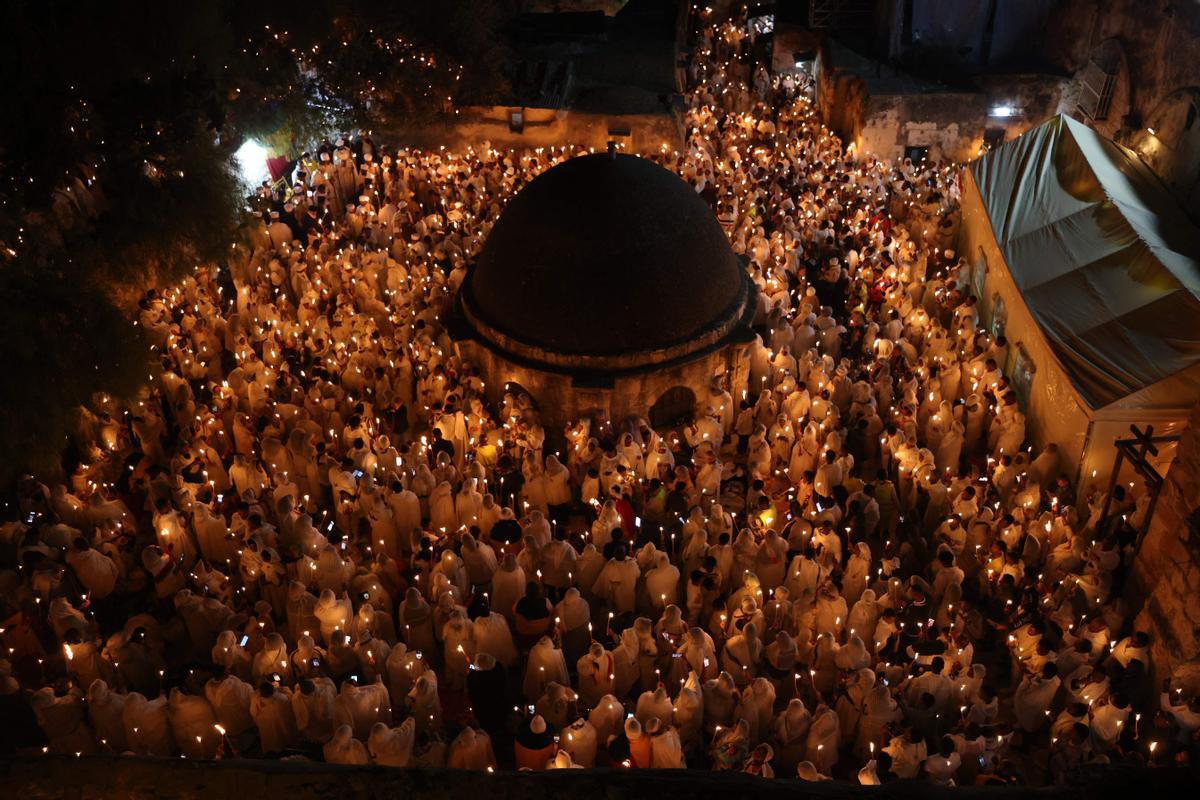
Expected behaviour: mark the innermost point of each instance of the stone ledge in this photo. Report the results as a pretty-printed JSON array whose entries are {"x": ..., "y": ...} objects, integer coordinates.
[
  {"x": 65, "y": 778},
  {"x": 731, "y": 326}
]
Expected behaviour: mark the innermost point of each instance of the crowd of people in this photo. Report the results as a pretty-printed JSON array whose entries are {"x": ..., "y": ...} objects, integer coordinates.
[{"x": 314, "y": 535}]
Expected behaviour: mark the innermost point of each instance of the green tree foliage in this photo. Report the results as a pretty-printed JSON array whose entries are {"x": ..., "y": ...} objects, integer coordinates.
[{"x": 118, "y": 125}]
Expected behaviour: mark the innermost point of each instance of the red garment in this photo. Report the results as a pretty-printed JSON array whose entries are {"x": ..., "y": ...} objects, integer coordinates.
[
  {"x": 534, "y": 760},
  {"x": 628, "y": 518},
  {"x": 608, "y": 671},
  {"x": 877, "y": 292},
  {"x": 277, "y": 166},
  {"x": 640, "y": 752}
]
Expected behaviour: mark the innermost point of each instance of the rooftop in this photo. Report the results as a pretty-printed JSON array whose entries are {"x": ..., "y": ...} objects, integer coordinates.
[
  {"x": 563, "y": 60},
  {"x": 605, "y": 256}
]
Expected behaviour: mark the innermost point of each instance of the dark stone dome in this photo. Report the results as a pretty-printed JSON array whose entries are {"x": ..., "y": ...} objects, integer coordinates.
[{"x": 605, "y": 256}]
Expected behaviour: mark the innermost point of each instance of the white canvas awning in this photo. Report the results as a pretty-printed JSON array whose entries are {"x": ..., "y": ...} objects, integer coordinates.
[{"x": 1104, "y": 258}]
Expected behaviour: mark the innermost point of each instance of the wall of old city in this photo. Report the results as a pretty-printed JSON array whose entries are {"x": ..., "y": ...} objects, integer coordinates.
[
  {"x": 951, "y": 126},
  {"x": 1152, "y": 47},
  {"x": 841, "y": 99},
  {"x": 1167, "y": 569},
  {"x": 886, "y": 114}
]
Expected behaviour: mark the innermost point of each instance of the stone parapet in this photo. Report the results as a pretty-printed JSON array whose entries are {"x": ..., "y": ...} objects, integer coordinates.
[{"x": 135, "y": 778}]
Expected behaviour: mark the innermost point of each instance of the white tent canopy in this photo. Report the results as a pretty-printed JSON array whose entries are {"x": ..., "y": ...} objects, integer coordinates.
[
  {"x": 1086, "y": 263},
  {"x": 1102, "y": 255}
]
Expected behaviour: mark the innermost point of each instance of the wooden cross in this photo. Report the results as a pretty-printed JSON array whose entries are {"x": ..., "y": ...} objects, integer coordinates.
[{"x": 1145, "y": 441}]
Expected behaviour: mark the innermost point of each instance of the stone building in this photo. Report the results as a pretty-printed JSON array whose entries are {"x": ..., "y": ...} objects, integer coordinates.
[
  {"x": 582, "y": 72},
  {"x": 891, "y": 113},
  {"x": 587, "y": 74},
  {"x": 1136, "y": 75},
  {"x": 1167, "y": 570},
  {"x": 607, "y": 287},
  {"x": 1128, "y": 68}
]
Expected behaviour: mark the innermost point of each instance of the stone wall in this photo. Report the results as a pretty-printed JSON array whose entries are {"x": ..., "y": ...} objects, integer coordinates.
[
  {"x": 1153, "y": 47},
  {"x": 951, "y": 126},
  {"x": 1167, "y": 569},
  {"x": 1038, "y": 97},
  {"x": 544, "y": 127},
  {"x": 1150, "y": 47},
  {"x": 965, "y": 36},
  {"x": 562, "y": 398},
  {"x": 887, "y": 113},
  {"x": 841, "y": 101}
]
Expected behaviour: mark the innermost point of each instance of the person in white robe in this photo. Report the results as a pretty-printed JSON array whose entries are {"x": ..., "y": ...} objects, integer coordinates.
[
  {"x": 721, "y": 699},
  {"x": 343, "y": 748},
  {"x": 471, "y": 749},
  {"x": 545, "y": 664},
  {"x": 148, "y": 726},
  {"x": 580, "y": 741},
  {"x": 312, "y": 707},
  {"x": 63, "y": 719},
  {"x": 334, "y": 613},
  {"x": 666, "y": 748},
  {"x": 96, "y": 571},
  {"x": 416, "y": 622},
  {"x": 1033, "y": 698},
  {"x": 607, "y": 717},
  {"x": 392, "y": 747},
  {"x": 1109, "y": 718},
  {"x": 271, "y": 708},
  {"x": 821, "y": 746},
  {"x": 105, "y": 709},
  {"x": 361, "y": 706},
  {"x": 942, "y": 766},
  {"x": 508, "y": 586},
  {"x": 617, "y": 583},
  {"x": 193, "y": 723},
  {"x": 597, "y": 675}
]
